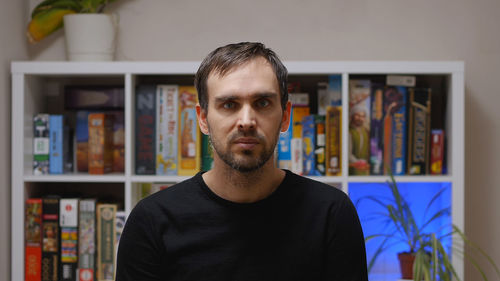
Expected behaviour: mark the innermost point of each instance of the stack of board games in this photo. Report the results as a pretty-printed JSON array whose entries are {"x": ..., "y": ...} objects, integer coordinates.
[
  {"x": 71, "y": 239},
  {"x": 397, "y": 138},
  {"x": 168, "y": 141}
]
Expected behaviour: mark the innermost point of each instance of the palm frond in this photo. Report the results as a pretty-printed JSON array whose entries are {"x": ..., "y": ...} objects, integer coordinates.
[
  {"x": 437, "y": 215},
  {"x": 434, "y": 199}
]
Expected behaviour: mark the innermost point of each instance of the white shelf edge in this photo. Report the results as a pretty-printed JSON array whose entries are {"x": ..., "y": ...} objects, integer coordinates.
[
  {"x": 119, "y": 178},
  {"x": 416, "y": 179},
  {"x": 190, "y": 67},
  {"x": 104, "y": 68},
  {"x": 374, "y": 67}
]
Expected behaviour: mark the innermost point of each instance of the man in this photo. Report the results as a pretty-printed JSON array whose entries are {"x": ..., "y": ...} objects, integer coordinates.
[{"x": 245, "y": 219}]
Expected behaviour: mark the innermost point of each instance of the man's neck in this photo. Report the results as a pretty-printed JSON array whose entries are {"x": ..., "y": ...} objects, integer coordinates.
[{"x": 245, "y": 187}]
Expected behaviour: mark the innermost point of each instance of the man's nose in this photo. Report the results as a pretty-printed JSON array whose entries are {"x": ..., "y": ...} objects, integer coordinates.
[{"x": 246, "y": 120}]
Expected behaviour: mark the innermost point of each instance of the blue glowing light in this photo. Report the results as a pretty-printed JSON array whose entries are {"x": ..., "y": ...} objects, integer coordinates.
[{"x": 418, "y": 196}]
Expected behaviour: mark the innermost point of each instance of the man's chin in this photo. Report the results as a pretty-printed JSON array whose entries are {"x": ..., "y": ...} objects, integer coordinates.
[
  {"x": 247, "y": 169},
  {"x": 243, "y": 165}
]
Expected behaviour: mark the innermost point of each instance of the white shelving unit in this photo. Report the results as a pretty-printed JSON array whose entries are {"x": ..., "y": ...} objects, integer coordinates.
[{"x": 34, "y": 82}]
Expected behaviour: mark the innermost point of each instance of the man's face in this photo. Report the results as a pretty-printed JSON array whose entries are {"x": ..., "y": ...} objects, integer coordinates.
[{"x": 244, "y": 115}]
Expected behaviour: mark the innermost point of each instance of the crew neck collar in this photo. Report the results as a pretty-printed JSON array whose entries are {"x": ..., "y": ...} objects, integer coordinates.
[{"x": 271, "y": 197}]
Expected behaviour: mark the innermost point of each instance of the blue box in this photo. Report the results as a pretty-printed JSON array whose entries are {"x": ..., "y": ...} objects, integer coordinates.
[{"x": 56, "y": 163}]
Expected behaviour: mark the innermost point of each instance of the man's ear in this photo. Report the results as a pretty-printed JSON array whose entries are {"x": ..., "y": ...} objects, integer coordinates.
[
  {"x": 285, "y": 122},
  {"x": 202, "y": 119}
]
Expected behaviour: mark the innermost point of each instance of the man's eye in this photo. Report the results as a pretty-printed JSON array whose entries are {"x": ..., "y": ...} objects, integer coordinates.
[
  {"x": 263, "y": 103},
  {"x": 228, "y": 105}
]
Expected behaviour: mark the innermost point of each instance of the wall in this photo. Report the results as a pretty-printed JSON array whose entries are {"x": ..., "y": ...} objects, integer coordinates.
[
  {"x": 337, "y": 30},
  {"x": 12, "y": 47}
]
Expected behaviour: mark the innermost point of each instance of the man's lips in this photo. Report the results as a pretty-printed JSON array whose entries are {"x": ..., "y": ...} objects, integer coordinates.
[{"x": 246, "y": 143}]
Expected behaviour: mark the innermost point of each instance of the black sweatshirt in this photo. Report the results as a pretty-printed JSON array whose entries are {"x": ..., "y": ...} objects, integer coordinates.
[{"x": 305, "y": 230}]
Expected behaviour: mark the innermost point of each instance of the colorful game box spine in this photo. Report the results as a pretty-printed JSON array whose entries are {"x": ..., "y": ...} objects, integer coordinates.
[
  {"x": 56, "y": 163},
  {"x": 161, "y": 129},
  {"x": 335, "y": 89},
  {"x": 393, "y": 102},
  {"x": 82, "y": 141},
  {"x": 323, "y": 99},
  {"x": 359, "y": 127},
  {"x": 145, "y": 127},
  {"x": 50, "y": 239},
  {"x": 308, "y": 145},
  {"x": 296, "y": 146},
  {"x": 333, "y": 128},
  {"x": 387, "y": 151},
  {"x": 86, "y": 240},
  {"x": 299, "y": 112},
  {"x": 377, "y": 131},
  {"x": 207, "y": 153},
  {"x": 419, "y": 126},
  {"x": 399, "y": 135},
  {"x": 41, "y": 144},
  {"x": 319, "y": 151},
  {"x": 106, "y": 236},
  {"x": 189, "y": 157},
  {"x": 437, "y": 152},
  {"x": 68, "y": 223},
  {"x": 284, "y": 151},
  {"x": 168, "y": 127},
  {"x": 100, "y": 143},
  {"x": 68, "y": 149},
  {"x": 33, "y": 238},
  {"x": 118, "y": 141},
  {"x": 329, "y": 93}
]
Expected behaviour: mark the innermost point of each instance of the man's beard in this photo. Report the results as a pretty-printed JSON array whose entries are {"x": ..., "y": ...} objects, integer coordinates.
[{"x": 249, "y": 162}]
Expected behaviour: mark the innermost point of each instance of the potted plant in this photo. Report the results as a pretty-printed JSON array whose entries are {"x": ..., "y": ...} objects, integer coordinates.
[
  {"x": 426, "y": 257},
  {"x": 90, "y": 34}
]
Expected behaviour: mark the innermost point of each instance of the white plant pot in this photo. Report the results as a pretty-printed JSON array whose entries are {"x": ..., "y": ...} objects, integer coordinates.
[{"x": 90, "y": 37}]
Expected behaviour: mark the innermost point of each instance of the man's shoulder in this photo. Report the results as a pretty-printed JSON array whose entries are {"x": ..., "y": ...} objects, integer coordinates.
[{"x": 316, "y": 189}]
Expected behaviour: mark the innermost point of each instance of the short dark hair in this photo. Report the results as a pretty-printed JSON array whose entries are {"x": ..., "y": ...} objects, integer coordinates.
[{"x": 225, "y": 58}]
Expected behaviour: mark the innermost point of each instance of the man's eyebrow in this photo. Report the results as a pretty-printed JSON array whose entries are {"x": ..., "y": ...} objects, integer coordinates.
[
  {"x": 265, "y": 95},
  {"x": 253, "y": 96},
  {"x": 225, "y": 98}
]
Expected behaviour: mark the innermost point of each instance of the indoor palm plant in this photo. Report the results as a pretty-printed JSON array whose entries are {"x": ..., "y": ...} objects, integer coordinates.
[
  {"x": 47, "y": 16},
  {"x": 429, "y": 259},
  {"x": 90, "y": 34}
]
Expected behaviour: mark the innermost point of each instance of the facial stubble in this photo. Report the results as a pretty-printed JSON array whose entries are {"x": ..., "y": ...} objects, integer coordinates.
[{"x": 256, "y": 161}]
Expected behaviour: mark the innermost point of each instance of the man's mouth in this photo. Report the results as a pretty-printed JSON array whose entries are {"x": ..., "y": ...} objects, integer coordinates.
[{"x": 246, "y": 143}]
